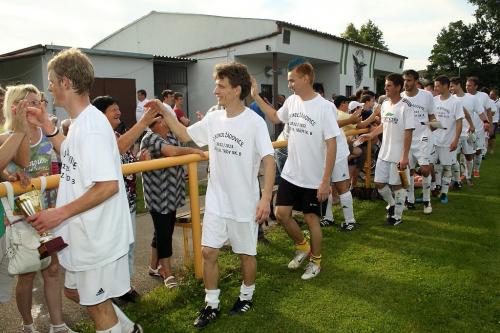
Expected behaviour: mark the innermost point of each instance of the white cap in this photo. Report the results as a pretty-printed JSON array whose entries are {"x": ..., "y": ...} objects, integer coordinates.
[{"x": 354, "y": 104}]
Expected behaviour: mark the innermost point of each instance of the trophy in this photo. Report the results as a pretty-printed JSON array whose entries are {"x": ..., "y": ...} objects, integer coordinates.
[{"x": 30, "y": 203}]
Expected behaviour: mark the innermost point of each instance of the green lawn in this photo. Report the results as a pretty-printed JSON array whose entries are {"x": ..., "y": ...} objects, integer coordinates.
[{"x": 437, "y": 273}]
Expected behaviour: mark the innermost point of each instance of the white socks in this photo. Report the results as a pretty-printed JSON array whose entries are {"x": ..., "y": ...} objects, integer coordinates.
[
  {"x": 329, "y": 208},
  {"x": 426, "y": 188},
  {"x": 455, "y": 171},
  {"x": 446, "y": 179},
  {"x": 469, "y": 166},
  {"x": 386, "y": 194},
  {"x": 438, "y": 169},
  {"x": 399, "y": 196},
  {"x": 346, "y": 203},
  {"x": 477, "y": 161},
  {"x": 411, "y": 190},
  {"x": 246, "y": 292},
  {"x": 212, "y": 298},
  {"x": 125, "y": 323}
]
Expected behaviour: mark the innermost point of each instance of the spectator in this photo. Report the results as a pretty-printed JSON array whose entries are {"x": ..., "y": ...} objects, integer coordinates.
[
  {"x": 39, "y": 165},
  {"x": 109, "y": 106},
  {"x": 163, "y": 195},
  {"x": 178, "y": 102},
  {"x": 10, "y": 144},
  {"x": 141, "y": 100}
]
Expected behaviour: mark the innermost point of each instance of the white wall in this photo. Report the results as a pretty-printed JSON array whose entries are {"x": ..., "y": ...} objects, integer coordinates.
[{"x": 172, "y": 34}]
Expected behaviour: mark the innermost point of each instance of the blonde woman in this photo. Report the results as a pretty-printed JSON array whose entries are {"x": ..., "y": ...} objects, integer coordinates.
[{"x": 39, "y": 165}]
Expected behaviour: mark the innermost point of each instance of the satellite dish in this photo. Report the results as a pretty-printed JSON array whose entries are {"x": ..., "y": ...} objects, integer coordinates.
[{"x": 268, "y": 71}]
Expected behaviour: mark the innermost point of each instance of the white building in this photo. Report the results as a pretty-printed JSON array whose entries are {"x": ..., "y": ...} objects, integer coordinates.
[{"x": 265, "y": 46}]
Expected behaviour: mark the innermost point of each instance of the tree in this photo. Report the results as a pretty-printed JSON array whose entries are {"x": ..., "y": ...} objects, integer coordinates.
[
  {"x": 488, "y": 23},
  {"x": 372, "y": 35},
  {"x": 351, "y": 32},
  {"x": 458, "y": 46},
  {"x": 368, "y": 34}
]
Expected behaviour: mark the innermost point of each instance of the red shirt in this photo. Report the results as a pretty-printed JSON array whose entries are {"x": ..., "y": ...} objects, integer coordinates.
[{"x": 179, "y": 113}]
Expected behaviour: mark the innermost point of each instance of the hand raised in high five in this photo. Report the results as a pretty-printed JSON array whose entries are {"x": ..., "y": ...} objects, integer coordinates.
[{"x": 19, "y": 123}]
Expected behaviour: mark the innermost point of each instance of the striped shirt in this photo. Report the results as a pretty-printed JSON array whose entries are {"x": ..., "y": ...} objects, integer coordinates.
[{"x": 164, "y": 189}]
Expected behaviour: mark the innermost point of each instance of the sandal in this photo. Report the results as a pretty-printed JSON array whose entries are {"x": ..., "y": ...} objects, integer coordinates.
[
  {"x": 154, "y": 272},
  {"x": 170, "y": 282},
  {"x": 29, "y": 328},
  {"x": 60, "y": 328}
]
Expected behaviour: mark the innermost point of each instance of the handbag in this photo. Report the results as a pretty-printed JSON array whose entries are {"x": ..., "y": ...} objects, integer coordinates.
[{"x": 22, "y": 240}]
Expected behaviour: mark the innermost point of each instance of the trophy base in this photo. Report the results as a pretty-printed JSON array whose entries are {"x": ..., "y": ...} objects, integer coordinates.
[{"x": 50, "y": 247}]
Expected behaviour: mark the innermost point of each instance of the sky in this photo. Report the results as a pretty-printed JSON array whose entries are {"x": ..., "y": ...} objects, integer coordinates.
[{"x": 410, "y": 27}]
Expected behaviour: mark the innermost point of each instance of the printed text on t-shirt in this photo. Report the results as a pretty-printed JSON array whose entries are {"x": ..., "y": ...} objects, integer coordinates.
[{"x": 68, "y": 165}]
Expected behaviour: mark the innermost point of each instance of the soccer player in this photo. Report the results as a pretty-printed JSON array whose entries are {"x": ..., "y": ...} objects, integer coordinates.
[
  {"x": 398, "y": 123},
  {"x": 312, "y": 147},
  {"x": 466, "y": 144},
  {"x": 422, "y": 145},
  {"x": 449, "y": 112},
  {"x": 238, "y": 140},
  {"x": 471, "y": 86},
  {"x": 91, "y": 211}
]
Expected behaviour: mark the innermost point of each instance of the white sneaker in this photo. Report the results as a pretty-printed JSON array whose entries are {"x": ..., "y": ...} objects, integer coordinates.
[
  {"x": 311, "y": 271},
  {"x": 427, "y": 207},
  {"x": 300, "y": 256}
]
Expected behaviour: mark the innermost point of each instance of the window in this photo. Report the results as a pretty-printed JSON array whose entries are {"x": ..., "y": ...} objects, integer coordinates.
[
  {"x": 401, "y": 62},
  {"x": 348, "y": 91},
  {"x": 286, "y": 36},
  {"x": 366, "y": 88}
]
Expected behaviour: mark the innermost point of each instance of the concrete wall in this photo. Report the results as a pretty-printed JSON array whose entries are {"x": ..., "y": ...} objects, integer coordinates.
[
  {"x": 26, "y": 70},
  {"x": 172, "y": 34},
  {"x": 34, "y": 70}
]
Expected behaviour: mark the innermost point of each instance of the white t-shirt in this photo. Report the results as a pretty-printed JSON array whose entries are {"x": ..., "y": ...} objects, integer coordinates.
[
  {"x": 89, "y": 154},
  {"x": 396, "y": 119},
  {"x": 236, "y": 146},
  {"x": 422, "y": 105},
  {"x": 342, "y": 146},
  {"x": 469, "y": 102},
  {"x": 475, "y": 112},
  {"x": 494, "y": 109},
  {"x": 483, "y": 100},
  {"x": 139, "y": 110},
  {"x": 447, "y": 113},
  {"x": 311, "y": 123}
]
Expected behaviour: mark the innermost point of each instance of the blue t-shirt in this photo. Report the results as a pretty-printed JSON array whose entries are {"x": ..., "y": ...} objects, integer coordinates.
[{"x": 254, "y": 106}]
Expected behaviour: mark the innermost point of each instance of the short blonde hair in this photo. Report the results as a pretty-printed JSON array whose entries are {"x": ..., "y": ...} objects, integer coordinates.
[
  {"x": 76, "y": 66},
  {"x": 13, "y": 96},
  {"x": 305, "y": 69}
]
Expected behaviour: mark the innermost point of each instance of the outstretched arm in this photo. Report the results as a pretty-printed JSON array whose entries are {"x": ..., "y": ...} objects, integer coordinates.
[
  {"x": 270, "y": 112},
  {"x": 175, "y": 126}
]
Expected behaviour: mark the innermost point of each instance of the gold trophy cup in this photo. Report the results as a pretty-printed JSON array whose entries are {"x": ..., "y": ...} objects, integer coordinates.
[{"x": 31, "y": 203}]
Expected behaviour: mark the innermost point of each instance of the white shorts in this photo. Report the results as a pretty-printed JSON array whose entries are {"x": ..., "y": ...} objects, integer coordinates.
[
  {"x": 480, "y": 143},
  {"x": 100, "y": 284},
  {"x": 388, "y": 173},
  {"x": 5, "y": 278},
  {"x": 444, "y": 155},
  {"x": 466, "y": 146},
  {"x": 420, "y": 153},
  {"x": 217, "y": 230},
  {"x": 340, "y": 171}
]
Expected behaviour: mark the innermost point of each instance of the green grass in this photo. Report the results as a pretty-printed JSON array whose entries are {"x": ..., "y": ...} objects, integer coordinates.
[{"x": 437, "y": 273}]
